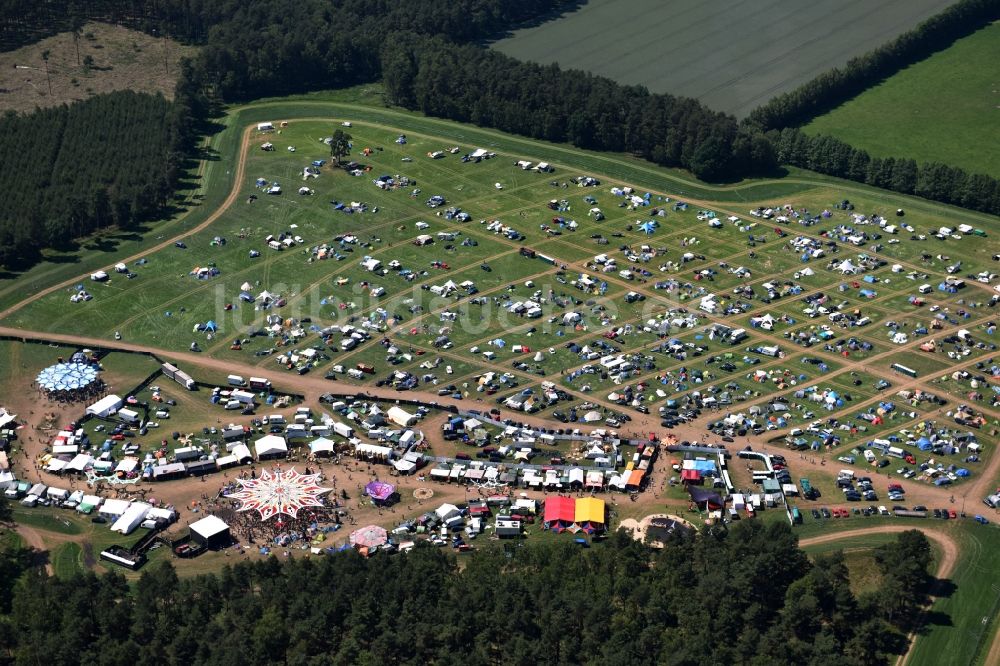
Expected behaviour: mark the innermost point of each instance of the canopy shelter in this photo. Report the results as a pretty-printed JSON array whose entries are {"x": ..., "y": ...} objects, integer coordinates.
[
  {"x": 380, "y": 492},
  {"x": 371, "y": 536},
  {"x": 71, "y": 376},
  {"x": 321, "y": 446},
  {"x": 560, "y": 513},
  {"x": 283, "y": 492},
  {"x": 589, "y": 514},
  {"x": 705, "y": 497}
]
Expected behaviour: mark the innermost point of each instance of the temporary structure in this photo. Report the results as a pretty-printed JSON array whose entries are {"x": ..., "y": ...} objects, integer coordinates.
[
  {"x": 283, "y": 492},
  {"x": 380, "y": 492},
  {"x": 211, "y": 532},
  {"x": 270, "y": 446},
  {"x": 371, "y": 536}
]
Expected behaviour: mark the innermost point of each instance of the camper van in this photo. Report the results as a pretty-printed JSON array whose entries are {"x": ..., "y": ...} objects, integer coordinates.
[{"x": 870, "y": 456}]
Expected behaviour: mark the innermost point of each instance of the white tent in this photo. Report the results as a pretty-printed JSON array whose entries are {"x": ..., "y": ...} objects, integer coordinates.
[
  {"x": 847, "y": 268},
  {"x": 321, "y": 445},
  {"x": 400, "y": 416},
  {"x": 81, "y": 462},
  {"x": 590, "y": 417},
  {"x": 114, "y": 508},
  {"x": 209, "y": 530},
  {"x": 105, "y": 406},
  {"x": 131, "y": 519},
  {"x": 270, "y": 446}
]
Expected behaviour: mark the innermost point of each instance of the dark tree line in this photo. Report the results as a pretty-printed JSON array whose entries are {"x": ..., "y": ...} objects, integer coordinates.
[
  {"x": 834, "y": 87},
  {"x": 110, "y": 161},
  {"x": 490, "y": 89},
  {"x": 930, "y": 180},
  {"x": 747, "y": 596}
]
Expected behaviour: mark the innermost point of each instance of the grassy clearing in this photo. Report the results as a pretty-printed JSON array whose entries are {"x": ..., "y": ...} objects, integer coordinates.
[
  {"x": 732, "y": 60},
  {"x": 120, "y": 59},
  {"x": 963, "y": 622},
  {"x": 944, "y": 109},
  {"x": 67, "y": 559},
  {"x": 61, "y": 522}
]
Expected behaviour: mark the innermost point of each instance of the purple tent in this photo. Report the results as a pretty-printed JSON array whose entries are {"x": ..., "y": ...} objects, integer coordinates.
[{"x": 380, "y": 491}]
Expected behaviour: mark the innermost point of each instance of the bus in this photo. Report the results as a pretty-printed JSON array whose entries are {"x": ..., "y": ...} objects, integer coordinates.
[{"x": 909, "y": 372}]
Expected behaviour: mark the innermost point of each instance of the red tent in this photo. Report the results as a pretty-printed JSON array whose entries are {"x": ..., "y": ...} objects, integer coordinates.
[
  {"x": 690, "y": 476},
  {"x": 560, "y": 513}
]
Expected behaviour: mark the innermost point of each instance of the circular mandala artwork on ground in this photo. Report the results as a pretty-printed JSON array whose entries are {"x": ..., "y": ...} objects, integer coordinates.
[{"x": 281, "y": 492}]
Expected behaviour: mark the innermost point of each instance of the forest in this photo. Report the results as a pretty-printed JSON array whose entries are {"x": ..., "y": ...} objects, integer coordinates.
[
  {"x": 743, "y": 596},
  {"x": 110, "y": 161}
]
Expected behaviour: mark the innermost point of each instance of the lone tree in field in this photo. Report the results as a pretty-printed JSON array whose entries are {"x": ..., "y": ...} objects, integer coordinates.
[{"x": 340, "y": 146}]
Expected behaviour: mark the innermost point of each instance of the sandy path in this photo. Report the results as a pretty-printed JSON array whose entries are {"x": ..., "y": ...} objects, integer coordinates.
[
  {"x": 34, "y": 540},
  {"x": 993, "y": 656}
]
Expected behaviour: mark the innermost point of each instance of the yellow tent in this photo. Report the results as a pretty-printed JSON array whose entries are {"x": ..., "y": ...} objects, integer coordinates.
[{"x": 589, "y": 510}]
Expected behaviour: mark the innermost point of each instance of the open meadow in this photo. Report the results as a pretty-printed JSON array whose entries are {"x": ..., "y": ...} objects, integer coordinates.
[
  {"x": 732, "y": 56},
  {"x": 944, "y": 109}
]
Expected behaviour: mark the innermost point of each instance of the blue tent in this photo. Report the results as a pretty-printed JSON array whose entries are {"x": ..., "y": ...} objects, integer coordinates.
[
  {"x": 649, "y": 226},
  {"x": 211, "y": 326},
  {"x": 962, "y": 472}
]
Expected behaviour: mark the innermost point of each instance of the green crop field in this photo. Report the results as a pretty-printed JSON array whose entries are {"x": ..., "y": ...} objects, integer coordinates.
[
  {"x": 943, "y": 109},
  {"x": 732, "y": 56}
]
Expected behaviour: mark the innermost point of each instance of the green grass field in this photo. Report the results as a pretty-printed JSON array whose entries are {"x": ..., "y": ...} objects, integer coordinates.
[
  {"x": 963, "y": 622},
  {"x": 67, "y": 559},
  {"x": 733, "y": 56},
  {"x": 944, "y": 109}
]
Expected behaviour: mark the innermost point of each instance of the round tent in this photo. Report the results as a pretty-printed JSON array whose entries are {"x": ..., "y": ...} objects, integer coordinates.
[
  {"x": 371, "y": 536},
  {"x": 67, "y": 377}
]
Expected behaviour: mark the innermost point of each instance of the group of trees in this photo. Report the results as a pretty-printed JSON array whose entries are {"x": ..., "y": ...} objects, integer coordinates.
[
  {"x": 743, "y": 596},
  {"x": 471, "y": 84},
  {"x": 930, "y": 180},
  {"x": 112, "y": 160}
]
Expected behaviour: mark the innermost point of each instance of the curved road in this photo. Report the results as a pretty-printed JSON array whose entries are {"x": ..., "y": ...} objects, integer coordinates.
[{"x": 949, "y": 557}]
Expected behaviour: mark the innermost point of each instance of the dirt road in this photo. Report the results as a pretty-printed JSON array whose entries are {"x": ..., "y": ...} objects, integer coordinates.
[{"x": 34, "y": 540}]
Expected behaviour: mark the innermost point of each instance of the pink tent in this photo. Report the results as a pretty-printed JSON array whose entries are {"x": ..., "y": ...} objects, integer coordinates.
[{"x": 371, "y": 536}]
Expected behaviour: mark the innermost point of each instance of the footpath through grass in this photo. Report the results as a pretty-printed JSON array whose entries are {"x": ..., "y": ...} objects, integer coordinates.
[{"x": 943, "y": 109}]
